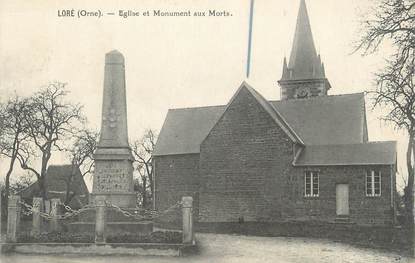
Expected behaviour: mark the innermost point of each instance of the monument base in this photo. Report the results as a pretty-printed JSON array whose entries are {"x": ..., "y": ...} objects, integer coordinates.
[
  {"x": 124, "y": 200},
  {"x": 114, "y": 228}
]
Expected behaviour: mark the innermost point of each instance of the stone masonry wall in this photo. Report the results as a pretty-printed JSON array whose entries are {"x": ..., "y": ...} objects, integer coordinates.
[
  {"x": 244, "y": 165},
  {"x": 246, "y": 173},
  {"x": 176, "y": 176},
  {"x": 363, "y": 210}
]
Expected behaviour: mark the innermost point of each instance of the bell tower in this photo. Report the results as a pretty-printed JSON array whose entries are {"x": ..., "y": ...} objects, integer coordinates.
[{"x": 304, "y": 75}]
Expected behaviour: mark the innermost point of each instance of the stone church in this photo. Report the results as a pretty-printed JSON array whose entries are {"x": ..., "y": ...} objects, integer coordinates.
[{"x": 305, "y": 157}]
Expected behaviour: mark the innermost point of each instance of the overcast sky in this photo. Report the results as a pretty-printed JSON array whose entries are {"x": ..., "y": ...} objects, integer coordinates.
[{"x": 177, "y": 61}]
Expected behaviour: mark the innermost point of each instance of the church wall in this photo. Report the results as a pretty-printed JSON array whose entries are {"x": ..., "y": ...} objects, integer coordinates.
[
  {"x": 176, "y": 176},
  {"x": 246, "y": 173},
  {"x": 244, "y": 165},
  {"x": 364, "y": 210}
]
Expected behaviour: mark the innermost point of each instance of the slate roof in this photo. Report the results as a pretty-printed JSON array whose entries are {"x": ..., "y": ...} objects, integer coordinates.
[
  {"x": 338, "y": 119},
  {"x": 184, "y": 129},
  {"x": 56, "y": 177},
  {"x": 348, "y": 154}
]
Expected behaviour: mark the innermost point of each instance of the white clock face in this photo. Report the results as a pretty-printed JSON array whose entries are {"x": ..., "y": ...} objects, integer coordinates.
[{"x": 302, "y": 93}]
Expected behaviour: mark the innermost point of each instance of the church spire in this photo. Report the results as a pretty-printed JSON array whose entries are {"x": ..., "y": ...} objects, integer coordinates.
[
  {"x": 305, "y": 64},
  {"x": 303, "y": 56}
]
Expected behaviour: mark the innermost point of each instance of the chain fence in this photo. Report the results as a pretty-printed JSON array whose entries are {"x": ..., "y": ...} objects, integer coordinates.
[
  {"x": 138, "y": 214},
  {"x": 145, "y": 214}
]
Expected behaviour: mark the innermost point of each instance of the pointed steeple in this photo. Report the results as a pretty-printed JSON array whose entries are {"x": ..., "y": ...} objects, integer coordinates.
[
  {"x": 303, "y": 53},
  {"x": 305, "y": 66}
]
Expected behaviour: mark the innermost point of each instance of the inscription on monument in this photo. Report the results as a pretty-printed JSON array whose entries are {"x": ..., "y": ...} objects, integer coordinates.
[{"x": 112, "y": 176}]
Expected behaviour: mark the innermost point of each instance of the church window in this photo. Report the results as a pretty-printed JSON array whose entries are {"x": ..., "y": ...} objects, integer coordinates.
[
  {"x": 311, "y": 184},
  {"x": 373, "y": 183}
]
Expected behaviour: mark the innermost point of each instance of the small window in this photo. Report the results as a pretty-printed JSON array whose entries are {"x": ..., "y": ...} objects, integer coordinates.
[
  {"x": 311, "y": 184},
  {"x": 373, "y": 183}
]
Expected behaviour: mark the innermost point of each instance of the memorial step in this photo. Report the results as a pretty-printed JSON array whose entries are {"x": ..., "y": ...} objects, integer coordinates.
[
  {"x": 112, "y": 228},
  {"x": 112, "y": 215},
  {"x": 342, "y": 220}
]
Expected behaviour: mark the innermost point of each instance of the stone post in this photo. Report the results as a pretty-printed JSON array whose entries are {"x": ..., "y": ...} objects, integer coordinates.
[
  {"x": 1, "y": 217},
  {"x": 54, "y": 212},
  {"x": 46, "y": 206},
  {"x": 100, "y": 219},
  {"x": 413, "y": 222},
  {"x": 37, "y": 220},
  {"x": 13, "y": 218},
  {"x": 187, "y": 212}
]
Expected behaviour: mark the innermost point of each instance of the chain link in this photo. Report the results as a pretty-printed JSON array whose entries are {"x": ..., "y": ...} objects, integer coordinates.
[
  {"x": 145, "y": 214},
  {"x": 148, "y": 214},
  {"x": 71, "y": 212}
]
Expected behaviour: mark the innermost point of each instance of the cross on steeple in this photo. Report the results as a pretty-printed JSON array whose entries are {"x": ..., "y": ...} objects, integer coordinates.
[{"x": 304, "y": 75}]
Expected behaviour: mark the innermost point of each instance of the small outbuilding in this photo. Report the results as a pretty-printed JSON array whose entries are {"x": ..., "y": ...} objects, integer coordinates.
[{"x": 59, "y": 179}]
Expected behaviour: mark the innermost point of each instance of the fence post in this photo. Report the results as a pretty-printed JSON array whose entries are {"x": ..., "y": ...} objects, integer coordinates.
[
  {"x": 187, "y": 211},
  {"x": 13, "y": 218},
  {"x": 100, "y": 219},
  {"x": 413, "y": 222},
  {"x": 1, "y": 215},
  {"x": 36, "y": 219},
  {"x": 54, "y": 212}
]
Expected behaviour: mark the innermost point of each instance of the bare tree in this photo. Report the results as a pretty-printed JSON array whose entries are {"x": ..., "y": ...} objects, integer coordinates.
[
  {"x": 393, "y": 22},
  {"x": 14, "y": 138},
  {"x": 81, "y": 153},
  {"x": 395, "y": 93},
  {"x": 22, "y": 182},
  {"x": 52, "y": 121},
  {"x": 390, "y": 22},
  {"x": 142, "y": 150}
]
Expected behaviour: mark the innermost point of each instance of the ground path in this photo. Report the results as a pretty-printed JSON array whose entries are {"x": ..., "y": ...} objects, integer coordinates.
[{"x": 233, "y": 249}]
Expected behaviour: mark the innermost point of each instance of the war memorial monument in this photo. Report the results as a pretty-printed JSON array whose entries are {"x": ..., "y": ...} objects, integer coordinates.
[{"x": 113, "y": 160}]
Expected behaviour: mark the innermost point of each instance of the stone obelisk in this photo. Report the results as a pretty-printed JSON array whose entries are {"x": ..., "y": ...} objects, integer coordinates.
[{"x": 113, "y": 177}]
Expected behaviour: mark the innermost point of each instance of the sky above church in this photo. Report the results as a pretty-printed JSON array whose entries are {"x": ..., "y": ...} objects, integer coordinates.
[{"x": 178, "y": 61}]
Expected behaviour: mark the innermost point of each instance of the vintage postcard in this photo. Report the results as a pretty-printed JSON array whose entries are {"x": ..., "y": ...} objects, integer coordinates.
[{"x": 207, "y": 131}]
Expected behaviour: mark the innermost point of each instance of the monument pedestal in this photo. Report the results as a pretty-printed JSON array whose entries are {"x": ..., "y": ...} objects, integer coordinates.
[
  {"x": 123, "y": 200},
  {"x": 113, "y": 177}
]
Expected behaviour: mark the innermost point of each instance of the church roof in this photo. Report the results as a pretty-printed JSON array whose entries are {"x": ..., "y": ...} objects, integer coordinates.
[
  {"x": 348, "y": 154},
  {"x": 337, "y": 119},
  {"x": 304, "y": 62},
  {"x": 184, "y": 129}
]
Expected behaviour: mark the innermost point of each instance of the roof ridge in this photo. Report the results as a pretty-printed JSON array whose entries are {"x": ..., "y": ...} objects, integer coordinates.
[
  {"x": 318, "y": 97},
  {"x": 271, "y": 101},
  {"x": 198, "y": 107},
  {"x": 351, "y": 144}
]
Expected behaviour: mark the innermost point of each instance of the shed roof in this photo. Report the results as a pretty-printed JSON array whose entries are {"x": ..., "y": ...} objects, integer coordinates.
[{"x": 375, "y": 153}]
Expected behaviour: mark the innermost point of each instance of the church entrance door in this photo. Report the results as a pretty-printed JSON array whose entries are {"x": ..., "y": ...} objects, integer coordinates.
[{"x": 342, "y": 199}]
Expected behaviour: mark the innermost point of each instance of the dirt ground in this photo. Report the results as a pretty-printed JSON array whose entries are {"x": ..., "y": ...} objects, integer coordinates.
[{"x": 232, "y": 248}]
